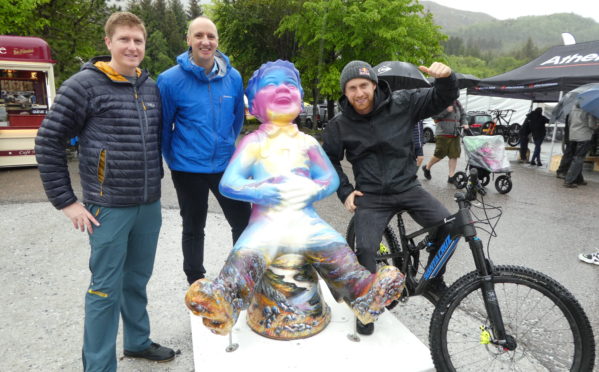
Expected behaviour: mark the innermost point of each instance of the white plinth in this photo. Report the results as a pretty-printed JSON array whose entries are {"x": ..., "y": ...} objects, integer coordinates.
[{"x": 391, "y": 346}]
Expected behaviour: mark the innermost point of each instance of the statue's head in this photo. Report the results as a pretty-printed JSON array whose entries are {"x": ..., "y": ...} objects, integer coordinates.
[{"x": 275, "y": 93}]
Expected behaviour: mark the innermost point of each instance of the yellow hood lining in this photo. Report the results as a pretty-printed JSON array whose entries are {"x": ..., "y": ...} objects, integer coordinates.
[{"x": 111, "y": 73}]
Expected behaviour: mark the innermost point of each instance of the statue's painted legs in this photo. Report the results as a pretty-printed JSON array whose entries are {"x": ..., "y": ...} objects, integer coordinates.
[
  {"x": 220, "y": 301},
  {"x": 366, "y": 293}
]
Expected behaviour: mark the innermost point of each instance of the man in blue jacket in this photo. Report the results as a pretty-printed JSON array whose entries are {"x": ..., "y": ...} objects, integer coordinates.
[{"x": 203, "y": 109}]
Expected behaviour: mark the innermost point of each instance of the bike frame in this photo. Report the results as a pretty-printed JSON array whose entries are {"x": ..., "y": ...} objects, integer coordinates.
[{"x": 463, "y": 226}]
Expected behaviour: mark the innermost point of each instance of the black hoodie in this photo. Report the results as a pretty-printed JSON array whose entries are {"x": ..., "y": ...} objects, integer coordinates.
[{"x": 379, "y": 144}]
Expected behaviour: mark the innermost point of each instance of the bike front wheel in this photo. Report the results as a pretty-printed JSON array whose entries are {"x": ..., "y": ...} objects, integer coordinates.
[{"x": 548, "y": 325}]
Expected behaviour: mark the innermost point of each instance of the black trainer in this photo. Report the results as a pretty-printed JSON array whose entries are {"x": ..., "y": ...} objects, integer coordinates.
[
  {"x": 427, "y": 172},
  {"x": 364, "y": 329},
  {"x": 154, "y": 352}
]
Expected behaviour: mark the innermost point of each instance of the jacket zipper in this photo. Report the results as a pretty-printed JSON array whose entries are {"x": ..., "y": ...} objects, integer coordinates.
[
  {"x": 214, "y": 125},
  {"x": 379, "y": 158},
  {"x": 143, "y": 124}
]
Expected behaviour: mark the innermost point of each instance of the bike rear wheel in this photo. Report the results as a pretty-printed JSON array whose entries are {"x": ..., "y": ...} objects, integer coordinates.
[
  {"x": 514, "y": 135},
  {"x": 549, "y": 326},
  {"x": 390, "y": 243}
]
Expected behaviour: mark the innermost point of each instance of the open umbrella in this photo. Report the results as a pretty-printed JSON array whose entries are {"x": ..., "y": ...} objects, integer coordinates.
[
  {"x": 589, "y": 100},
  {"x": 401, "y": 75},
  {"x": 464, "y": 80},
  {"x": 564, "y": 106}
]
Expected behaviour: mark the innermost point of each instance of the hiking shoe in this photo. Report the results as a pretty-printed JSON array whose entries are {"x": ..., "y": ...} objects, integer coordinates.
[
  {"x": 592, "y": 258},
  {"x": 364, "y": 329},
  {"x": 437, "y": 288},
  {"x": 570, "y": 185},
  {"x": 154, "y": 352},
  {"x": 427, "y": 172}
]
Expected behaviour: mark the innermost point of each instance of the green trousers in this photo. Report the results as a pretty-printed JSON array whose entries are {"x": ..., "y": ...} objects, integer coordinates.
[{"x": 123, "y": 248}]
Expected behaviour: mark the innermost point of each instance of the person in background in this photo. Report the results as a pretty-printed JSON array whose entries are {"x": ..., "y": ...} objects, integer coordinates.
[
  {"x": 447, "y": 140},
  {"x": 537, "y": 127},
  {"x": 374, "y": 132},
  {"x": 121, "y": 169},
  {"x": 524, "y": 137},
  {"x": 582, "y": 126},
  {"x": 203, "y": 113}
]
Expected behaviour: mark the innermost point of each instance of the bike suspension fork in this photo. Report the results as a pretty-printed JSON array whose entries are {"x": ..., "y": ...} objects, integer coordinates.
[{"x": 490, "y": 296}]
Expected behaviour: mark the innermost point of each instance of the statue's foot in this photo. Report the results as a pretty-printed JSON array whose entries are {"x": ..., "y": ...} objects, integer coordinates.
[
  {"x": 387, "y": 287},
  {"x": 206, "y": 299}
]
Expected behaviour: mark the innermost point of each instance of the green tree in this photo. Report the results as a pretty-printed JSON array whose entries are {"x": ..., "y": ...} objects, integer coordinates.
[
  {"x": 247, "y": 31},
  {"x": 174, "y": 28},
  {"x": 333, "y": 33},
  {"x": 529, "y": 51},
  {"x": 157, "y": 56},
  {"x": 194, "y": 10},
  {"x": 15, "y": 15},
  {"x": 72, "y": 28}
]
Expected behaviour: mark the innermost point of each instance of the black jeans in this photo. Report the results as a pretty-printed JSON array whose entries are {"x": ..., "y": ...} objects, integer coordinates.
[
  {"x": 581, "y": 149},
  {"x": 192, "y": 194},
  {"x": 523, "y": 147},
  {"x": 374, "y": 212}
]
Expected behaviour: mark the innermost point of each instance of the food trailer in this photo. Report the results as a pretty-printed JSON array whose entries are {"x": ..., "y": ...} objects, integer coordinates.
[{"x": 26, "y": 93}]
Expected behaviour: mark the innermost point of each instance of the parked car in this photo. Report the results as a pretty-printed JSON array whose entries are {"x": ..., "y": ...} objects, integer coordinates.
[
  {"x": 304, "y": 118},
  {"x": 476, "y": 119},
  {"x": 322, "y": 118},
  {"x": 429, "y": 130}
]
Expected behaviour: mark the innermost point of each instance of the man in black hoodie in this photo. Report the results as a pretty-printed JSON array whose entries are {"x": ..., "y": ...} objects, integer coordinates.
[{"x": 373, "y": 131}]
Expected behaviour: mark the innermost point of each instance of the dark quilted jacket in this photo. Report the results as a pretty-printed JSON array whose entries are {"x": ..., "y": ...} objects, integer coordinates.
[{"x": 119, "y": 128}]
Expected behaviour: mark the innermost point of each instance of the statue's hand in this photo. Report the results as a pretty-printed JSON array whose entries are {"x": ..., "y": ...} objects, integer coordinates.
[
  {"x": 205, "y": 299},
  {"x": 299, "y": 191},
  {"x": 268, "y": 194}
]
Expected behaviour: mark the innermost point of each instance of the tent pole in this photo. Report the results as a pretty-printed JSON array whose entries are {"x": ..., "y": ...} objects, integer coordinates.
[{"x": 561, "y": 93}]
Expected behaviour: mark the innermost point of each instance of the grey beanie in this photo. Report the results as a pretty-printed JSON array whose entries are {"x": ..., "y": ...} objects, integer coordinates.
[{"x": 357, "y": 69}]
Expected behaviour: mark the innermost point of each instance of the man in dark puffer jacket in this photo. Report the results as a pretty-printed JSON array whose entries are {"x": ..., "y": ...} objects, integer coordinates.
[{"x": 114, "y": 108}]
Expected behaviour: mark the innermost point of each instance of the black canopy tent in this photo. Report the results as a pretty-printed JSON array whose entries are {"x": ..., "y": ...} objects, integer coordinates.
[{"x": 560, "y": 69}]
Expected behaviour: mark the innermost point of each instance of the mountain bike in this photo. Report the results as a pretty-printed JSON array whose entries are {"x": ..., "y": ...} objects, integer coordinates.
[
  {"x": 500, "y": 125},
  {"x": 497, "y": 317}
]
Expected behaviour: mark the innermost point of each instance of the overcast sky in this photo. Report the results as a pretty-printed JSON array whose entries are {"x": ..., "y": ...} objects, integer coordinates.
[{"x": 505, "y": 9}]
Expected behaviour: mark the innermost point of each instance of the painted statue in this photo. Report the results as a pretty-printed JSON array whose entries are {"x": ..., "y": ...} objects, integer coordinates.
[{"x": 272, "y": 269}]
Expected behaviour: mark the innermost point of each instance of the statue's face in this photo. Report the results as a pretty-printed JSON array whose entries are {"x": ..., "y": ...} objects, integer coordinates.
[{"x": 278, "y": 99}]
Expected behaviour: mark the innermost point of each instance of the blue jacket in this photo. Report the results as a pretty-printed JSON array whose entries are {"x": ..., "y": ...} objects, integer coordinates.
[{"x": 202, "y": 116}]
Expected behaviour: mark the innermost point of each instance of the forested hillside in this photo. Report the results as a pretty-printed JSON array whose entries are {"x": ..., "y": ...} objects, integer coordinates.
[{"x": 484, "y": 46}]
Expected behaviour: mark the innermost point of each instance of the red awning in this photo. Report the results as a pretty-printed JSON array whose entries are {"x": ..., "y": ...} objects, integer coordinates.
[{"x": 24, "y": 49}]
